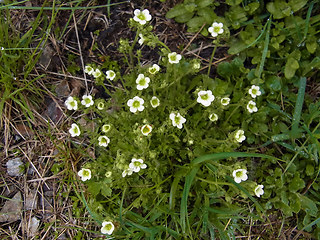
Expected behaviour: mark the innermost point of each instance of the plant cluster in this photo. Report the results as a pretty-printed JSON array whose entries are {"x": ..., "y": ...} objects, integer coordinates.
[{"x": 157, "y": 128}]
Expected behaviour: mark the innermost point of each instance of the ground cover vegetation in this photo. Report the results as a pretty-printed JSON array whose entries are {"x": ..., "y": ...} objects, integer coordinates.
[{"x": 170, "y": 146}]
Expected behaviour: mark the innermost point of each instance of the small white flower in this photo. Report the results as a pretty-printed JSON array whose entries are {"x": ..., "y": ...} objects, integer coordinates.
[
  {"x": 225, "y": 101},
  {"x": 136, "y": 104},
  {"x": 240, "y": 175},
  {"x": 142, "y": 17},
  {"x": 137, "y": 164},
  {"x": 97, "y": 73},
  {"x": 174, "y": 57},
  {"x": 103, "y": 141},
  {"x": 142, "y": 39},
  {"x": 85, "y": 174},
  {"x": 146, "y": 129},
  {"x": 239, "y": 136},
  {"x": 259, "y": 190},
  {"x": 213, "y": 117},
  {"x": 254, "y": 91},
  {"x": 106, "y": 128},
  {"x": 89, "y": 70},
  {"x": 154, "y": 69},
  {"x": 100, "y": 106},
  {"x": 177, "y": 120},
  {"x": 110, "y": 75},
  {"x": 155, "y": 102},
  {"x": 196, "y": 66},
  {"x": 71, "y": 103},
  {"x": 87, "y": 100},
  {"x": 215, "y": 29},
  {"x": 205, "y": 98},
  {"x": 252, "y": 107},
  {"x": 107, "y": 228},
  {"x": 108, "y": 174},
  {"x": 74, "y": 130},
  {"x": 127, "y": 172},
  {"x": 142, "y": 82}
]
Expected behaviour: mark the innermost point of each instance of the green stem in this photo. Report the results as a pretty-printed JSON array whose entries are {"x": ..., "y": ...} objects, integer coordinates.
[
  {"x": 211, "y": 59},
  {"x": 236, "y": 108}
]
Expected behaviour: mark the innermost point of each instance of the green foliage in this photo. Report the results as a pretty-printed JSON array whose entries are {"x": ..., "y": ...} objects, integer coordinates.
[
  {"x": 169, "y": 151},
  {"x": 281, "y": 49}
]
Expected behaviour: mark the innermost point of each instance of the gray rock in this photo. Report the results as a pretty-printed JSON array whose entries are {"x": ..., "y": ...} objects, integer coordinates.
[
  {"x": 12, "y": 209},
  {"x": 14, "y": 167}
]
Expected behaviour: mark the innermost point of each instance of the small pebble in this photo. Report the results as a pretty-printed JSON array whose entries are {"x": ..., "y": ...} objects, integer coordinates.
[{"x": 14, "y": 167}]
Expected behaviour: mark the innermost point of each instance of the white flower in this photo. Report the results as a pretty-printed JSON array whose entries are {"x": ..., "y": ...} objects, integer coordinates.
[
  {"x": 174, "y": 57},
  {"x": 74, "y": 130},
  {"x": 254, "y": 91},
  {"x": 215, "y": 29},
  {"x": 213, "y": 117},
  {"x": 259, "y": 190},
  {"x": 110, "y": 75},
  {"x": 142, "y": 17},
  {"x": 205, "y": 98},
  {"x": 137, "y": 164},
  {"x": 155, "y": 102},
  {"x": 87, "y": 100},
  {"x": 252, "y": 107},
  {"x": 225, "y": 101},
  {"x": 89, "y": 70},
  {"x": 85, "y": 174},
  {"x": 146, "y": 129},
  {"x": 100, "y": 105},
  {"x": 97, "y": 73},
  {"x": 103, "y": 141},
  {"x": 127, "y": 172},
  {"x": 240, "y": 175},
  {"x": 154, "y": 69},
  {"x": 196, "y": 66},
  {"x": 135, "y": 104},
  {"x": 106, "y": 128},
  {"x": 177, "y": 120},
  {"x": 71, "y": 103},
  {"x": 107, "y": 228},
  {"x": 239, "y": 136},
  {"x": 142, "y": 39},
  {"x": 142, "y": 82}
]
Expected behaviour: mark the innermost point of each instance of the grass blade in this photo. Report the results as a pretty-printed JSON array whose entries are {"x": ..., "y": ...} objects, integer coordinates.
[
  {"x": 224, "y": 155},
  {"x": 298, "y": 108},
  {"x": 184, "y": 201},
  {"x": 265, "y": 49}
]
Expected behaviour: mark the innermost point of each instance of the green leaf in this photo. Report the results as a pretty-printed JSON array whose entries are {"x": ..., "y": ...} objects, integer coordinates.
[
  {"x": 274, "y": 83},
  {"x": 196, "y": 22},
  {"x": 308, "y": 205},
  {"x": 184, "y": 18},
  {"x": 297, "y": 4},
  {"x": 176, "y": 11},
  {"x": 309, "y": 170},
  {"x": 203, "y": 3},
  {"x": 295, "y": 203},
  {"x": 290, "y": 68},
  {"x": 296, "y": 184},
  {"x": 279, "y": 9},
  {"x": 233, "y": 2},
  {"x": 311, "y": 45},
  {"x": 207, "y": 14}
]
